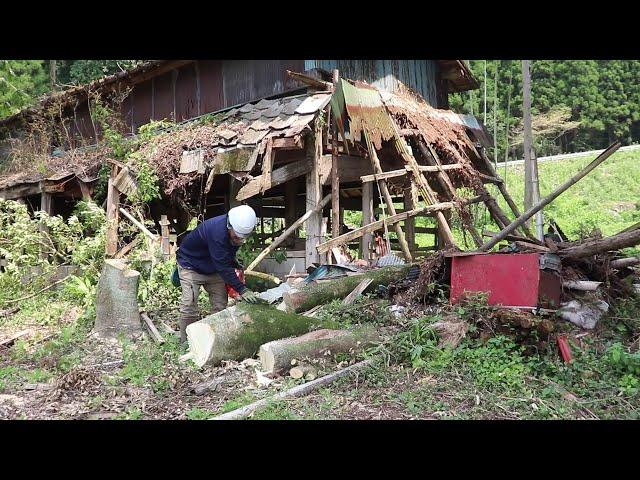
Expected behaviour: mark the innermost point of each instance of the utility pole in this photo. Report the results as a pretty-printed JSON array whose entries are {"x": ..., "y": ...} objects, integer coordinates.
[
  {"x": 531, "y": 186},
  {"x": 52, "y": 74},
  {"x": 485, "y": 93},
  {"x": 495, "y": 117}
]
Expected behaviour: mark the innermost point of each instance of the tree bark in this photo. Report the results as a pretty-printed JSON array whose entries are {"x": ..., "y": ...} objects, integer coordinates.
[
  {"x": 593, "y": 247},
  {"x": 238, "y": 332},
  {"x": 117, "y": 300},
  {"x": 276, "y": 356},
  {"x": 321, "y": 293}
]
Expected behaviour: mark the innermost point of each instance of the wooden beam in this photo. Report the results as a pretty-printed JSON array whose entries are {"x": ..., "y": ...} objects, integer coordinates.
[
  {"x": 153, "y": 237},
  {"x": 424, "y": 188},
  {"x": 398, "y": 173},
  {"x": 278, "y": 176},
  {"x": 335, "y": 180},
  {"x": 372, "y": 227},
  {"x": 410, "y": 203},
  {"x": 367, "y": 218},
  {"x": 314, "y": 195},
  {"x": 350, "y": 168},
  {"x": 375, "y": 162},
  {"x": 290, "y": 209},
  {"x": 288, "y": 232}
]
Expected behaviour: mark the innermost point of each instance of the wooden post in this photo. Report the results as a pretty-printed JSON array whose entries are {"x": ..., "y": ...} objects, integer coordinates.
[
  {"x": 290, "y": 204},
  {"x": 335, "y": 181},
  {"x": 234, "y": 187},
  {"x": 367, "y": 218},
  {"x": 164, "y": 243},
  {"x": 47, "y": 207},
  {"x": 526, "y": 110},
  {"x": 410, "y": 223},
  {"x": 113, "y": 215},
  {"x": 313, "y": 194}
]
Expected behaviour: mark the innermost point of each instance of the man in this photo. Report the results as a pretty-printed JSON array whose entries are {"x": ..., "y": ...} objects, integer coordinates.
[{"x": 207, "y": 258}]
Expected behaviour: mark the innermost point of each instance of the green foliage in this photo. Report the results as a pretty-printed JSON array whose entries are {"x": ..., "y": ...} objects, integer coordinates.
[
  {"x": 603, "y": 96},
  {"x": 240, "y": 401},
  {"x": 607, "y": 199},
  {"x": 362, "y": 310},
  {"x": 21, "y": 81},
  {"x": 131, "y": 413},
  {"x": 145, "y": 362},
  {"x": 84, "y": 71},
  {"x": 196, "y": 413}
]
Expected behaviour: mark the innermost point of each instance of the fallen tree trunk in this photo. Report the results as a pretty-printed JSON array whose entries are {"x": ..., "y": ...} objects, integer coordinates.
[
  {"x": 117, "y": 300},
  {"x": 594, "y": 247},
  {"x": 298, "y": 391},
  {"x": 317, "y": 294},
  {"x": 237, "y": 332},
  {"x": 276, "y": 356},
  {"x": 625, "y": 262}
]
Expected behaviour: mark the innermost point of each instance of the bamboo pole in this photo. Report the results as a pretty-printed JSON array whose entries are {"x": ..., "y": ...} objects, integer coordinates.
[
  {"x": 551, "y": 197},
  {"x": 288, "y": 232}
]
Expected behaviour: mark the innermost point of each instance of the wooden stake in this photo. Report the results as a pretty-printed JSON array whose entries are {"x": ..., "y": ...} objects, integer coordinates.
[
  {"x": 362, "y": 286},
  {"x": 314, "y": 195},
  {"x": 164, "y": 244},
  {"x": 367, "y": 218}
]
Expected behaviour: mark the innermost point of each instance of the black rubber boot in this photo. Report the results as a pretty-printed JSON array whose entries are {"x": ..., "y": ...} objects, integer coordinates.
[{"x": 184, "y": 323}]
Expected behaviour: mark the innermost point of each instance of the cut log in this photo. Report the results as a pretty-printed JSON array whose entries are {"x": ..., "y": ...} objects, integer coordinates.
[
  {"x": 321, "y": 293},
  {"x": 237, "y": 332},
  {"x": 117, "y": 300},
  {"x": 594, "y": 247},
  {"x": 297, "y": 391},
  {"x": 306, "y": 371},
  {"x": 279, "y": 355}
]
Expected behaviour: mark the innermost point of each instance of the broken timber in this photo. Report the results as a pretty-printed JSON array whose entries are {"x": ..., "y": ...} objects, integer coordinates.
[
  {"x": 278, "y": 176},
  {"x": 407, "y": 169},
  {"x": 551, "y": 197},
  {"x": 362, "y": 286},
  {"x": 297, "y": 391},
  {"x": 288, "y": 232},
  {"x": 358, "y": 232}
]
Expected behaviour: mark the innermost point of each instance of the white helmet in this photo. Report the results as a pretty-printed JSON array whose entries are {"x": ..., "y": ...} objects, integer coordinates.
[{"x": 243, "y": 220}]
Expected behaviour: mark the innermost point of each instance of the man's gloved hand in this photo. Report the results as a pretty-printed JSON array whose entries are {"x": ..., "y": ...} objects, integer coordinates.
[{"x": 250, "y": 296}]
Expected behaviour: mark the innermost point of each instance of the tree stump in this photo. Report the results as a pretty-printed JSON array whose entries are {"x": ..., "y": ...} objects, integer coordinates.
[{"x": 117, "y": 300}]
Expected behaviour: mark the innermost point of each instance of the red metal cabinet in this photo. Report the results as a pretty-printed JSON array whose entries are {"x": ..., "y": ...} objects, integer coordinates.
[{"x": 514, "y": 279}]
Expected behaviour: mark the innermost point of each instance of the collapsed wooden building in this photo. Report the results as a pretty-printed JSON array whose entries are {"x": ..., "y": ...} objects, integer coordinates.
[{"x": 303, "y": 148}]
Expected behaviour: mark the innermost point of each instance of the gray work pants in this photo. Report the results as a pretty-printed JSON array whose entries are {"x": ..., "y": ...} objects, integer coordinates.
[{"x": 191, "y": 281}]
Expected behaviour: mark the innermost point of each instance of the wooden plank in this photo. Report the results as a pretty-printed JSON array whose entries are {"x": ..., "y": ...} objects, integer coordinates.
[
  {"x": 362, "y": 286},
  {"x": 350, "y": 168},
  {"x": 7, "y": 342},
  {"x": 192, "y": 161},
  {"x": 153, "y": 237},
  {"x": 399, "y": 173},
  {"x": 127, "y": 248},
  {"x": 113, "y": 200},
  {"x": 357, "y": 233},
  {"x": 290, "y": 210},
  {"x": 278, "y": 176},
  {"x": 410, "y": 203},
  {"x": 288, "y": 143},
  {"x": 164, "y": 242}
]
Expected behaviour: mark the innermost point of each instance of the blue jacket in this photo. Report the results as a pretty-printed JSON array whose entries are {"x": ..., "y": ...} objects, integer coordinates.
[{"x": 208, "y": 249}]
